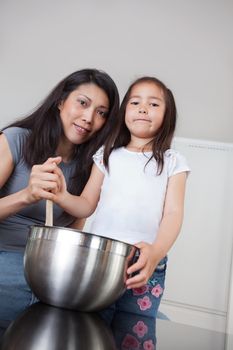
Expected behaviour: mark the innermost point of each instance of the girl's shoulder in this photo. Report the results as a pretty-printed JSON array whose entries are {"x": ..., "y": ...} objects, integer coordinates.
[
  {"x": 99, "y": 153},
  {"x": 171, "y": 152},
  {"x": 98, "y": 156},
  {"x": 98, "y": 159},
  {"x": 175, "y": 162}
]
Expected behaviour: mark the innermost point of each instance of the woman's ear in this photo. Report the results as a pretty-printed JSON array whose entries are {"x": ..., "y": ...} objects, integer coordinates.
[{"x": 60, "y": 105}]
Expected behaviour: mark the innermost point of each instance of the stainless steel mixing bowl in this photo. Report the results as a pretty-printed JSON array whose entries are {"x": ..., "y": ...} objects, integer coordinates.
[{"x": 74, "y": 269}]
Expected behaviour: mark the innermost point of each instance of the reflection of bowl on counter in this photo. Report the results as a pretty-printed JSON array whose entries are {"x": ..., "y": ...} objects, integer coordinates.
[
  {"x": 72, "y": 269},
  {"x": 45, "y": 327}
]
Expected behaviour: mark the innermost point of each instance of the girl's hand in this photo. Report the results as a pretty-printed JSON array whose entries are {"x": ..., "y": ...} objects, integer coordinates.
[
  {"x": 59, "y": 194},
  {"x": 146, "y": 264},
  {"x": 44, "y": 179}
]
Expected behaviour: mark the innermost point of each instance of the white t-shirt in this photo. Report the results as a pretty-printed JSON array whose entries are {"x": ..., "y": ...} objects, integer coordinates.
[{"x": 132, "y": 194}]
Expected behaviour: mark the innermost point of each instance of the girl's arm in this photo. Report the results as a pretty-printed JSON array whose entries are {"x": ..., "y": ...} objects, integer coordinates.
[
  {"x": 78, "y": 224},
  {"x": 151, "y": 254},
  {"x": 41, "y": 180},
  {"x": 84, "y": 205}
]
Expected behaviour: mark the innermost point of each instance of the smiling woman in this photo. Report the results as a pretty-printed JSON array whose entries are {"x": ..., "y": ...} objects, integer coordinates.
[
  {"x": 83, "y": 113},
  {"x": 70, "y": 125}
]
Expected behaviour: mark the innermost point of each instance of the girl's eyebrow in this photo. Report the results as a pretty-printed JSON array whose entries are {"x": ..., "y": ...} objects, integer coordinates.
[{"x": 150, "y": 97}]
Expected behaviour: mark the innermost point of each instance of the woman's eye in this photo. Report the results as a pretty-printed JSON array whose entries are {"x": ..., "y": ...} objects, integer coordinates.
[
  {"x": 102, "y": 113},
  {"x": 82, "y": 102}
]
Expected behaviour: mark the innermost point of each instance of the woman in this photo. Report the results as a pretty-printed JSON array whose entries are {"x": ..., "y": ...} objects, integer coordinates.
[{"x": 71, "y": 123}]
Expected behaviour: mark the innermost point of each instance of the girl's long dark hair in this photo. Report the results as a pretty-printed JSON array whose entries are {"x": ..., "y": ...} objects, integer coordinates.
[
  {"x": 46, "y": 128},
  {"x": 120, "y": 135}
]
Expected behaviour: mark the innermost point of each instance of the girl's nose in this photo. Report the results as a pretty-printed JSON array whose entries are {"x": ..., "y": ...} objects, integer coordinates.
[{"x": 142, "y": 109}]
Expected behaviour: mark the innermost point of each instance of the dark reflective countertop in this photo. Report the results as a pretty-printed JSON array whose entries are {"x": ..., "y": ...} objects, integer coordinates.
[{"x": 43, "y": 327}]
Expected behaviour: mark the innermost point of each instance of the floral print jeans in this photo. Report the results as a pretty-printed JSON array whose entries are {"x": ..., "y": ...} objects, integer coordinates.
[{"x": 133, "y": 316}]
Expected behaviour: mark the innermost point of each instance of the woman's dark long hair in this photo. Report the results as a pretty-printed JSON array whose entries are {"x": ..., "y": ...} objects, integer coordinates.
[
  {"x": 120, "y": 135},
  {"x": 46, "y": 128}
]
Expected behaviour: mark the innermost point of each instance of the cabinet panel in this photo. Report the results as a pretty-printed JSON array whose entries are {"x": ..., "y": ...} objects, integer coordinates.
[{"x": 199, "y": 268}]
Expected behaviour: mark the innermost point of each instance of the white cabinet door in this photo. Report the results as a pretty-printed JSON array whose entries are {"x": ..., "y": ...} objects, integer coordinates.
[{"x": 199, "y": 267}]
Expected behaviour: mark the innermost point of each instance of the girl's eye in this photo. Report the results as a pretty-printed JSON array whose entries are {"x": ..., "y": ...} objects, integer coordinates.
[
  {"x": 154, "y": 104},
  {"x": 134, "y": 103}
]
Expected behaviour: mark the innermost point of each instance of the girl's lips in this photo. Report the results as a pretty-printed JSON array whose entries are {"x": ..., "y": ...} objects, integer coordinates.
[
  {"x": 142, "y": 120},
  {"x": 81, "y": 130}
]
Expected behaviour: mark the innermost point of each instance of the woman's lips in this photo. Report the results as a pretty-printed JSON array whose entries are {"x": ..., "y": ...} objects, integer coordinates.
[{"x": 81, "y": 130}]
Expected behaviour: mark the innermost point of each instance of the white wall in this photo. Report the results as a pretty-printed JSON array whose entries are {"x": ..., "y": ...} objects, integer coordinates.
[{"x": 186, "y": 43}]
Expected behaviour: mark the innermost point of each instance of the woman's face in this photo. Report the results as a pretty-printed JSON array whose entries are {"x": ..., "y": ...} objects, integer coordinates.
[{"x": 83, "y": 113}]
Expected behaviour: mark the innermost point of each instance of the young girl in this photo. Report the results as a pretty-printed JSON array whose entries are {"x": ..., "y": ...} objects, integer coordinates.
[{"x": 137, "y": 184}]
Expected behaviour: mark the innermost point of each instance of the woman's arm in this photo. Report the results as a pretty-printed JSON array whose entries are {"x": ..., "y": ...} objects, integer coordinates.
[
  {"x": 151, "y": 254},
  {"x": 41, "y": 180},
  {"x": 84, "y": 205}
]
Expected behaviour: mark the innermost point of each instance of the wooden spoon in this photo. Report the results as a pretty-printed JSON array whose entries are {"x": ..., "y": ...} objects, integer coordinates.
[{"x": 49, "y": 213}]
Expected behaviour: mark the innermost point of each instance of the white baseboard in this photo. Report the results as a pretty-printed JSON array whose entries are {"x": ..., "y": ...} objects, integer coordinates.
[{"x": 194, "y": 316}]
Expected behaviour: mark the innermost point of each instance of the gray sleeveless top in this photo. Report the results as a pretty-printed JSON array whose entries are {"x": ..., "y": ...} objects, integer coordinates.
[{"x": 14, "y": 229}]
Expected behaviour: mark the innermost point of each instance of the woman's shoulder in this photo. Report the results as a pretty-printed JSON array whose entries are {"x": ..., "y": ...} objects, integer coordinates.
[
  {"x": 16, "y": 138},
  {"x": 15, "y": 131}
]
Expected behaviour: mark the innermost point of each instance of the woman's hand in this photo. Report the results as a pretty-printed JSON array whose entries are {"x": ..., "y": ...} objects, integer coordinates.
[
  {"x": 145, "y": 265},
  {"x": 44, "y": 179}
]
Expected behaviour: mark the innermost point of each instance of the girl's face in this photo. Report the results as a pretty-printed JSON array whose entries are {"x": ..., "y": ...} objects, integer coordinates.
[
  {"x": 83, "y": 113},
  {"x": 145, "y": 111}
]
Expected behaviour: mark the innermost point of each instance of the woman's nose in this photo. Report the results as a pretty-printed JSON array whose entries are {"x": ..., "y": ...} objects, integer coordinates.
[{"x": 88, "y": 116}]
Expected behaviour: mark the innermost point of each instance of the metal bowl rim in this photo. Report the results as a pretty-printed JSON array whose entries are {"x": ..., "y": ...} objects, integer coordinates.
[{"x": 89, "y": 234}]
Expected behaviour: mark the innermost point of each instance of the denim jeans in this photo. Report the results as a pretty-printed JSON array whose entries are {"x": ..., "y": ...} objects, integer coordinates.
[
  {"x": 142, "y": 304},
  {"x": 15, "y": 294}
]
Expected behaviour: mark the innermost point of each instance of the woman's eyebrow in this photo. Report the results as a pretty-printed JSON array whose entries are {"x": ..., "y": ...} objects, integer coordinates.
[
  {"x": 88, "y": 98},
  {"x": 107, "y": 108}
]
